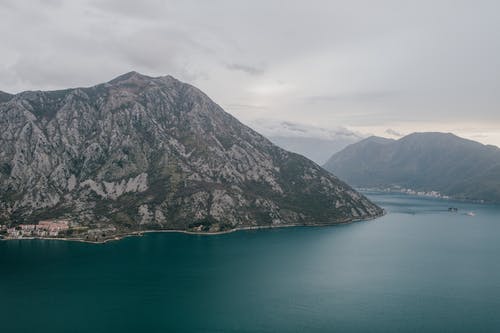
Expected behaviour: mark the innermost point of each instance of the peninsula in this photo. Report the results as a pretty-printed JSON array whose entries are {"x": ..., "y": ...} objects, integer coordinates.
[{"x": 142, "y": 154}]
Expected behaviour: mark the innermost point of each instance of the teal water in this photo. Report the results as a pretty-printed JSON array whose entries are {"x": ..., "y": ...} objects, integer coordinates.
[{"x": 417, "y": 269}]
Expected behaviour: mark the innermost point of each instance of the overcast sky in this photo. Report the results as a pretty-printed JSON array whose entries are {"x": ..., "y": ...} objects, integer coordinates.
[{"x": 382, "y": 67}]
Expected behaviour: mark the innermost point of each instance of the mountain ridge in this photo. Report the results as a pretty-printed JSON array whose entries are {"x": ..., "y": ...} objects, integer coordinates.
[
  {"x": 140, "y": 153},
  {"x": 426, "y": 161}
]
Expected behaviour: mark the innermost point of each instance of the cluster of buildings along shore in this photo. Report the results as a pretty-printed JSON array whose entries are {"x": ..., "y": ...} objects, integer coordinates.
[
  {"x": 399, "y": 189},
  {"x": 432, "y": 194},
  {"x": 56, "y": 228},
  {"x": 47, "y": 228}
]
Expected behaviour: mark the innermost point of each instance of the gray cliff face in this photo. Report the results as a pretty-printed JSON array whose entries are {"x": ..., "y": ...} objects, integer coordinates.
[{"x": 142, "y": 153}]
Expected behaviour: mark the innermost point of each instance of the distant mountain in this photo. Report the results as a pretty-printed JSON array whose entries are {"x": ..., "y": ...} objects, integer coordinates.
[
  {"x": 4, "y": 97},
  {"x": 440, "y": 162},
  {"x": 141, "y": 153},
  {"x": 315, "y": 143}
]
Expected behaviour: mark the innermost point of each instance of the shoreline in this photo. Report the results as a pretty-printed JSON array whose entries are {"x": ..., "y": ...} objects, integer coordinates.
[
  {"x": 423, "y": 196},
  {"x": 142, "y": 232}
]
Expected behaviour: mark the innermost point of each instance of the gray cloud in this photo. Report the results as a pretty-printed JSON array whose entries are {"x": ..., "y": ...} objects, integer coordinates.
[
  {"x": 407, "y": 65},
  {"x": 245, "y": 106},
  {"x": 352, "y": 97},
  {"x": 290, "y": 129},
  {"x": 392, "y": 132},
  {"x": 252, "y": 70}
]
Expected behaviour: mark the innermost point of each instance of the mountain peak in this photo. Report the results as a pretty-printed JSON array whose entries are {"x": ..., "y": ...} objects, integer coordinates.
[
  {"x": 130, "y": 76},
  {"x": 431, "y": 135},
  {"x": 378, "y": 139},
  {"x": 145, "y": 153},
  {"x": 437, "y": 138},
  {"x": 136, "y": 82}
]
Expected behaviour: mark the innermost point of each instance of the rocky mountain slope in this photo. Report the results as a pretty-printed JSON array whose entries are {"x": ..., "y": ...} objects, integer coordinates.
[
  {"x": 440, "y": 162},
  {"x": 141, "y": 153},
  {"x": 4, "y": 97}
]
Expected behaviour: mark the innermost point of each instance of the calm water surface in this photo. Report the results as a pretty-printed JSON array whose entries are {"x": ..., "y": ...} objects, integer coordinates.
[{"x": 418, "y": 269}]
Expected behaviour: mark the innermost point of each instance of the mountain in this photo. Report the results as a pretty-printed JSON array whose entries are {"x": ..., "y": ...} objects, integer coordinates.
[
  {"x": 142, "y": 153},
  {"x": 440, "y": 162},
  {"x": 4, "y": 97},
  {"x": 313, "y": 142}
]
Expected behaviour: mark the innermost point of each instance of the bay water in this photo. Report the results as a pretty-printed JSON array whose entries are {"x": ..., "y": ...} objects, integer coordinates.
[{"x": 420, "y": 268}]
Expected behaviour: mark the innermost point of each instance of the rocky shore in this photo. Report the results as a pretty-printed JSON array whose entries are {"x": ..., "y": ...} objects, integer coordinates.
[{"x": 120, "y": 236}]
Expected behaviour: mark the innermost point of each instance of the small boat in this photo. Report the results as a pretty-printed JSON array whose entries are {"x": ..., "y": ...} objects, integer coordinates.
[{"x": 471, "y": 214}]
